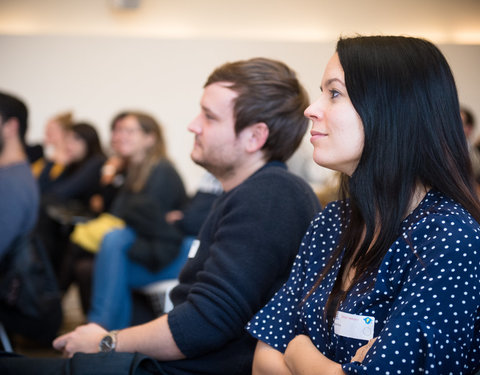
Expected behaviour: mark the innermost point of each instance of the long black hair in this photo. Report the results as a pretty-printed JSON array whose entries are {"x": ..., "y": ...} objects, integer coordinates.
[
  {"x": 404, "y": 92},
  {"x": 89, "y": 135}
]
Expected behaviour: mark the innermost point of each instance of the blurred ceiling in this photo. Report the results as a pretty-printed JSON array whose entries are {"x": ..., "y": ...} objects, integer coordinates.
[{"x": 442, "y": 21}]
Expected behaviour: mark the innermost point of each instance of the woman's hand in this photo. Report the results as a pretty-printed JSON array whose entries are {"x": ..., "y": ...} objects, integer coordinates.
[
  {"x": 97, "y": 203},
  {"x": 303, "y": 358},
  {"x": 85, "y": 339},
  {"x": 110, "y": 168},
  {"x": 362, "y": 351},
  {"x": 173, "y": 216}
]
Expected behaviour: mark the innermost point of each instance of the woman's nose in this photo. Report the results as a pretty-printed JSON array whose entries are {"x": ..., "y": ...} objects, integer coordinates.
[{"x": 314, "y": 111}]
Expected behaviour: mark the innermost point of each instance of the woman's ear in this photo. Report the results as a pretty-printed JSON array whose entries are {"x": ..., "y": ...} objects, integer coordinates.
[{"x": 257, "y": 136}]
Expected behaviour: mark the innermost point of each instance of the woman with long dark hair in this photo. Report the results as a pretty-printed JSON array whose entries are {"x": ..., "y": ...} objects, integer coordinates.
[
  {"x": 80, "y": 176},
  {"x": 387, "y": 280},
  {"x": 65, "y": 194}
]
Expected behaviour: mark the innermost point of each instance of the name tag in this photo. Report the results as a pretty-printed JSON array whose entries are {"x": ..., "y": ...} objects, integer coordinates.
[
  {"x": 193, "y": 248},
  {"x": 354, "y": 326}
]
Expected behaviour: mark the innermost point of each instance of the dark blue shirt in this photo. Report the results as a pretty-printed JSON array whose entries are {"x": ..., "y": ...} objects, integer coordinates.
[{"x": 425, "y": 300}]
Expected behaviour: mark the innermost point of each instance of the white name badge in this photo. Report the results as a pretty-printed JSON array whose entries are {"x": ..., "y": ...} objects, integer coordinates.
[
  {"x": 354, "y": 326},
  {"x": 193, "y": 248}
]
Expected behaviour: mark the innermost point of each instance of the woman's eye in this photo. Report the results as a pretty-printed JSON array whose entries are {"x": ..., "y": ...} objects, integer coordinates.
[{"x": 334, "y": 93}]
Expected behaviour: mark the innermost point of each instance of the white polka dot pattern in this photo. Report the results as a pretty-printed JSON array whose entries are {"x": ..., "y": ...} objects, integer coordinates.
[{"x": 425, "y": 297}]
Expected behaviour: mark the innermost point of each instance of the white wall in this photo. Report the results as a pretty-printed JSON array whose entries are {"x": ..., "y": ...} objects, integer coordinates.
[{"x": 98, "y": 76}]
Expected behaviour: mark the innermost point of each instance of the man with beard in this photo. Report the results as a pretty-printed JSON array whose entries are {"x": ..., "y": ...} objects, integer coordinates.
[{"x": 251, "y": 121}]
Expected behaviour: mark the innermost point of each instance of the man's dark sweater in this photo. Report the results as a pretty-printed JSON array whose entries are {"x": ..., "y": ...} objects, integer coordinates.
[{"x": 247, "y": 246}]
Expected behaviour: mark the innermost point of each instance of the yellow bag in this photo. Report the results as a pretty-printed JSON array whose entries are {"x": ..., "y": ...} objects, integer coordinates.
[{"x": 89, "y": 235}]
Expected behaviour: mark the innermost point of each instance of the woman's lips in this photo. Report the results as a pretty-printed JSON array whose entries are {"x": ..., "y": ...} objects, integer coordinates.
[{"x": 315, "y": 134}]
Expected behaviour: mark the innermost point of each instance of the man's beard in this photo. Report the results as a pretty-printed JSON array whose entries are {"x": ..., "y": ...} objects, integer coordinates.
[{"x": 219, "y": 171}]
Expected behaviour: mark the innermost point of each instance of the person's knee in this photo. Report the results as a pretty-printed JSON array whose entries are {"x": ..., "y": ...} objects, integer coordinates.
[{"x": 116, "y": 240}]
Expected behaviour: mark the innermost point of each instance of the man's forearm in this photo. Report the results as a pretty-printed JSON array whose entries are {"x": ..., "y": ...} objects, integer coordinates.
[{"x": 153, "y": 339}]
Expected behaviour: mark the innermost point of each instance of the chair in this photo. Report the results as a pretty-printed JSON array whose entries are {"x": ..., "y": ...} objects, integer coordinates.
[
  {"x": 4, "y": 339},
  {"x": 158, "y": 292}
]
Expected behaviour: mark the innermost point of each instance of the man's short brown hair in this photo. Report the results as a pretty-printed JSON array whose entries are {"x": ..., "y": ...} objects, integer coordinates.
[{"x": 268, "y": 91}]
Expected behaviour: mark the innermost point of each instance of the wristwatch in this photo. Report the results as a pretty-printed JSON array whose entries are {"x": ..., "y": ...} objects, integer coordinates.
[{"x": 108, "y": 342}]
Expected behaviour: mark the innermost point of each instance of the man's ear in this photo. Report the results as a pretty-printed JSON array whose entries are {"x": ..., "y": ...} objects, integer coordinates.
[{"x": 257, "y": 136}]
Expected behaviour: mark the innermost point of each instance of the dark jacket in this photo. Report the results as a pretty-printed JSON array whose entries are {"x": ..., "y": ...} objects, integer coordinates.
[
  {"x": 247, "y": 247},
  {"x": 158, "y": 242}
]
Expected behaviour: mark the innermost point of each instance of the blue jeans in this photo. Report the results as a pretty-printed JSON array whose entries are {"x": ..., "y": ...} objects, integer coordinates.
[{"x": 115, "y": 275}]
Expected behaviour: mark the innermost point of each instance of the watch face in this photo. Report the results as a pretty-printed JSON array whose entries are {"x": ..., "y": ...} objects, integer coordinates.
[{"x": 106, "y": 344}]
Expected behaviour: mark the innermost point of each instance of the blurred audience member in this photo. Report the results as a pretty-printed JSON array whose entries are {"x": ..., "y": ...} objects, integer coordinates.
[
  {"x": 66, "y": 198},
  {"x": 50, "y": 166},
  {"x": 145, "y": 243},
  {"x": 29, "y": 303},
  {"x": 84, "y": 159},
  {"x": 468, "y": 121},
  {"x": 18, "y": 190}
]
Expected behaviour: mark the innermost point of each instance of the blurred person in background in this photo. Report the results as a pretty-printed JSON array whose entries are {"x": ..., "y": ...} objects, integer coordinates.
[
  {"x": 29, "y": 302},
  {"x": 19, "y": 194},
  {"x": 469, "y": 128},
  {"x": 66, "y": 198},
  {"x": 134, "y": 240},
  {"x": 50, "y": 166}
]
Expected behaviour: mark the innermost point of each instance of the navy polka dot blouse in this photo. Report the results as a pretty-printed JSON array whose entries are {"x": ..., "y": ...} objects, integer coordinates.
[{"x": 425, "y": 298}]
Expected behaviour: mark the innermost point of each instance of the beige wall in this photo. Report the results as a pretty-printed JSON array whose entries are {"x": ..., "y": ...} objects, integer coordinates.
[
  {"x": 443, "y": 21},
  {"x": 99, "y": 76}
]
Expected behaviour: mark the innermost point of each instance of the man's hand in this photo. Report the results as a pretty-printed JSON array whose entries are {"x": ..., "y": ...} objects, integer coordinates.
[{"x": 85, "y": 339}]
